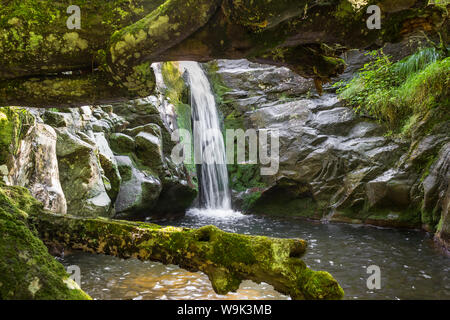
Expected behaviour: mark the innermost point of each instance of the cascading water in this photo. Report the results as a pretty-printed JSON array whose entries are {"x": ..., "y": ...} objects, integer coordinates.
[{"x": 209, "y": 146}]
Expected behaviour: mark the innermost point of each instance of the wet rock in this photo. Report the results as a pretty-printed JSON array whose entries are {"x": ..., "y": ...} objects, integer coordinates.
[
  {"x": 392, "y": 188},
  {"x": 56, "y": 119},
  {"x": 137, "y": 112},
  {"x": 149, "y": 150},
  {"x": 125, "y": 166},
  {"x": 342, "y": 159},
  {"x": 109, "y": 165},
  {"x": 81, "y": 177},
  {"x": 436, "y": 200},
  {"x": 176, "y": 196},
  {"x": 138, "y": 193},
  {"x": 36, "y": 168},
  {"x": 287, "y": 198},
  {"x": 151, "y": 128},
  {"x": 121, "y": 143}
]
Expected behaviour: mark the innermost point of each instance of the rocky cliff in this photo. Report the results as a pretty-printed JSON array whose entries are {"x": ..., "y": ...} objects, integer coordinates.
[
  {"x": 335, "y": 165},
  {"x": 111, "y": 161}
]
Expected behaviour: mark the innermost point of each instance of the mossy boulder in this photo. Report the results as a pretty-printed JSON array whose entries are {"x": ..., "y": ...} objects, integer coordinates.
[
  {"x": 27, "y": 270},
  {"x": 149, "y": 150},
  {"x": 81, "y": 176},
  {"x": 109, "y": 166},
  {"x": 14, "y": 123},
  {"x": 121, "y": 143},
  {"x": 138, "y": 192}
]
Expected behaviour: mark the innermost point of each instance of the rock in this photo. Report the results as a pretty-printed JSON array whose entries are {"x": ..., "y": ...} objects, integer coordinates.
[
  {"x": 81, "y": 177},
  {"x": 149, "y": 150},
  {"x": 101, "y": 126},
  {"x": 151, "y": 128},
  {"x": 340, "y": 160},
  {"x": 109, "y": 165},
  {"x": 56, "y": 119},
  {"x": 388, "y": 189},
  {"x": 125, "y": 166},
  {"x": 138, "y": 112},
  {"x": 121, "y": 143},
  {"x": 248, "y": 79},
  {"x": 286, "y": 198},
  {"x": 27, "y": 270},
  {"x": 138, "y": 194},
  {"x": 436, "y": 199},
  {"x": 36, "y": 168},
  {"x": 14, "y": 123},
  {"x": 175, "y": 198}
]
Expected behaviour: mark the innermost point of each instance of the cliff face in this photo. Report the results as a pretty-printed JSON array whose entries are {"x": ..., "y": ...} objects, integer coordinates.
[
  {"x": 111, "y": 161},
  {"x": 334, "y": 164}
]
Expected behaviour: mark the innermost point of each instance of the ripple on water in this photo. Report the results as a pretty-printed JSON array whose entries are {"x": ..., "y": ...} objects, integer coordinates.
[{"x": 343, "y": 250}]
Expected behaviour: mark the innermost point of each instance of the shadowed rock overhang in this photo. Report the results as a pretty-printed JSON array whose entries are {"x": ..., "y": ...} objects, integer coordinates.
[{"x": 45, "y": 64}]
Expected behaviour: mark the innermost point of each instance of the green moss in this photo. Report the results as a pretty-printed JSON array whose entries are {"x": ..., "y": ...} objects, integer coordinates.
[
  {"x": 320, "y": 285},
  {"x": 242, "y": 176},
  {"x": 14, "y": 123},
  {"x": 27, "y": 271},
  {"x": 226, "y": 258},
  {"x": 177, "y": 93},
  {"x": 176, "y": 88}
]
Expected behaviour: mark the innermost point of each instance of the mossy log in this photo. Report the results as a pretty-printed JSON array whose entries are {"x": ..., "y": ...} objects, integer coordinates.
[
  {"x": 226, "y": 258},
  {"x": 43, "y": 63}
]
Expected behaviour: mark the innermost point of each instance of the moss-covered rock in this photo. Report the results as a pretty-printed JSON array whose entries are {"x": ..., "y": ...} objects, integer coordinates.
[
  {"x": 27, "y": 270},
  {"x": 149, "y": 150},
  {"x": 109, "y": 166},
  {"x": 81, "y": 176},
  {"x": 121, "y": 143},
  {"x": 14, "y": 123}
]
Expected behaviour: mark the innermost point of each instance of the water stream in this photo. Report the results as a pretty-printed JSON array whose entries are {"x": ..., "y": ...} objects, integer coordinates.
[
  {"x": 209, "y": 147},
  {"x": 411, "y": 266}
]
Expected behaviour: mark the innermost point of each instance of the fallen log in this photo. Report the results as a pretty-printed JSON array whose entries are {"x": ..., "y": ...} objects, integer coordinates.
[{"x": 226, "y": 258}]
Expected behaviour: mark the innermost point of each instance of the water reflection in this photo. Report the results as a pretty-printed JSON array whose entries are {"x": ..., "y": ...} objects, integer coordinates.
[
  {"x": 105, "y": 277},
  {"x": 411, "y": 267}
]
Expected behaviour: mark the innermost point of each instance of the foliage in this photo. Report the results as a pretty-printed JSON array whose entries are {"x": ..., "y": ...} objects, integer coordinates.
[
  {"x": 177, "y": 92},
  {"x": 399, "y": 94}
]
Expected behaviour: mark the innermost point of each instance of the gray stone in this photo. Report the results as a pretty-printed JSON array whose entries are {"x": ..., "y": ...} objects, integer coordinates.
[
  {"x": 121, "y": 143},
  {"x": 36, "y": 168},
  {"x": 149, "y": 150}
]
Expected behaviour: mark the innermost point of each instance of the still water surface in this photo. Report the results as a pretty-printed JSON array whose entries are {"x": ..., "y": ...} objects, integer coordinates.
[{"x": 411, "y": 266}]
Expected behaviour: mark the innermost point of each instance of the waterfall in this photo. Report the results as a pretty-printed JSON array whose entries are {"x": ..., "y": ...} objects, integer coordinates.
[{"x": 209, "y": 146}]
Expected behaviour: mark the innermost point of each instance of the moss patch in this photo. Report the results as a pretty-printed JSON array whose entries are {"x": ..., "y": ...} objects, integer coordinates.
[{"x": 27, "y": 270}]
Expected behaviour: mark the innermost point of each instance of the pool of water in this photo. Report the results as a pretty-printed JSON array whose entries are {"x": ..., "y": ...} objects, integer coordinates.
[{"x": 411, "y": 266}]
